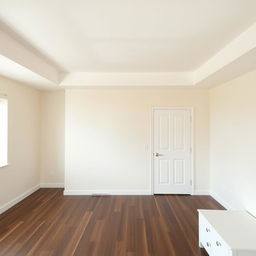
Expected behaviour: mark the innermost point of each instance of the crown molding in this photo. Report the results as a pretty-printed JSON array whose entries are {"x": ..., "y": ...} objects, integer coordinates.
[{"x": 127, "y": 79}]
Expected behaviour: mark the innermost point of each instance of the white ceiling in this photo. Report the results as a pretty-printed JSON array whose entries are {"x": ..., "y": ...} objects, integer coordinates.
[
  {"x": 128, "y": 35},
  {"x": 79, "y": 39}
]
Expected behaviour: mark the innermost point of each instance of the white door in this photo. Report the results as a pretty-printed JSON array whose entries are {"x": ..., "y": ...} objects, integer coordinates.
[{"x": 172, "y": 151}]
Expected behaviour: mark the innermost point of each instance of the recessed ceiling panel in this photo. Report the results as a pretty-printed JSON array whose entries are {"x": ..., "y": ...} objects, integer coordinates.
[{"x": 129, "y": 35}]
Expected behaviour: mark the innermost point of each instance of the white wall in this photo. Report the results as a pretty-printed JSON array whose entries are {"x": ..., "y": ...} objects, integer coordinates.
[
  {"x": 22, "y": 173},
  {"x": 52, "y": 138},
  {"x": 108, "y": 137},
  {"x": 233, "y": 142}
]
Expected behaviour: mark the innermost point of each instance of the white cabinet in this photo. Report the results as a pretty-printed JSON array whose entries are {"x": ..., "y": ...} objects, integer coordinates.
[{"x": 227, "y": 233}]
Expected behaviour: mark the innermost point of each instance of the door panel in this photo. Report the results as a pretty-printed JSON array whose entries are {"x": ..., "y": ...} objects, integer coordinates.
[
  {"x": 179, "y": 134},
  {"x": 179, "y": 171},
  {"x": 172, "y": 142},
  {"x": 164, "y": 143},
  {"x": 164, "y": 172}
]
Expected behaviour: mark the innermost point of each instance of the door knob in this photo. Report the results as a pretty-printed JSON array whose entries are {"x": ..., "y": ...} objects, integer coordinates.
[{"x": 157, "y": 154}]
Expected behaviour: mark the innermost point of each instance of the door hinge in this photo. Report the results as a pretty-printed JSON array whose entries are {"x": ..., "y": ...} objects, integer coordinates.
[
  {"x": 190, "y": 149},
  {"x": 190, "y": 182},
  {"x": 190, "y": 119}
]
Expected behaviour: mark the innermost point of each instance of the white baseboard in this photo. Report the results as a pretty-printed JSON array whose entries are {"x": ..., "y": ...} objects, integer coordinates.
[
  {"x": 201, "y": 192},
  {"x": 19, "y": 198},
  {"x": 52, "y": 185},
  {"x": 221, "y": 201},
  {"x": 68, "y": 192},
  {"x": 120, "y": 192}
]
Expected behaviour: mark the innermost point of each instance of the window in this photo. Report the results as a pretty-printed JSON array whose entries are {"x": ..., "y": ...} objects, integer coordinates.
[{"x": 3, "y": 131}]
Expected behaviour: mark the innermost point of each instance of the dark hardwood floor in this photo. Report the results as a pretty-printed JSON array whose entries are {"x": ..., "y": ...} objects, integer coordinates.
[{"x": 50, "y": 224}]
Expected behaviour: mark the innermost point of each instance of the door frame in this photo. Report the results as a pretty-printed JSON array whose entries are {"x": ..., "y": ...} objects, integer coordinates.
[{"x": 153, "y": 109}]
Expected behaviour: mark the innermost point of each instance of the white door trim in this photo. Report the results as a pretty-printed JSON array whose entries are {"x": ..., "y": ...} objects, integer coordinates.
[{"x": 191, "y": 109}]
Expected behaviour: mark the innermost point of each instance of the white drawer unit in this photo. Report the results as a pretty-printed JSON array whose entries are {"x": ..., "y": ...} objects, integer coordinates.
[{"x": 227, "y": 233}]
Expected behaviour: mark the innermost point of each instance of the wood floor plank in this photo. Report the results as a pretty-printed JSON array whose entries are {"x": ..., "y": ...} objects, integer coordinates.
[{"x": 48, "y": 223}]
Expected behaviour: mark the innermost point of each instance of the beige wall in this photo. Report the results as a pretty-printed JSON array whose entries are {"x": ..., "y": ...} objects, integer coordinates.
[
  {"x": 52, "y": 138},
  {"x": 22, "y": 173},
  {"x": 108, "y": 137},
  {"x": 233, "y": 142}
]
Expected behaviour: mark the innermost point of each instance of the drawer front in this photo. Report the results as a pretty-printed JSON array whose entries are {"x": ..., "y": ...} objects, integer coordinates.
[
  {"x": 205, "y": 234},
  {"x": 220, "y": 248},
  {"x": 205, "y": 228},
  {"x": 207, "y": 244},
  {"x": 211, "y": 241}
]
